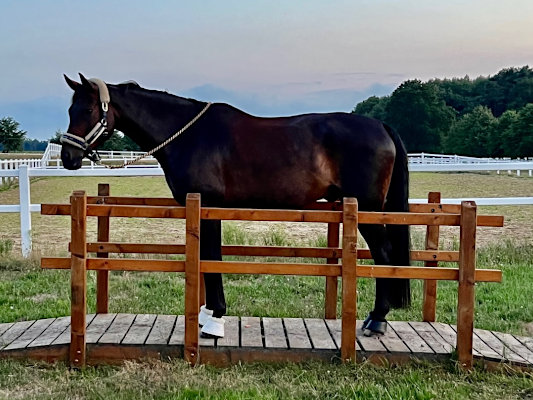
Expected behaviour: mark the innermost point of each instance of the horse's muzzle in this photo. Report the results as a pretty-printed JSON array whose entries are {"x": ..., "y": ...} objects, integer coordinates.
[{"x": 71, "y": 158}]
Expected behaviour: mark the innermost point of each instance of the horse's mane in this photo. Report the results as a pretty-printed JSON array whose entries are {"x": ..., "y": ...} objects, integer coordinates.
[{"x": 134, "y": 86}]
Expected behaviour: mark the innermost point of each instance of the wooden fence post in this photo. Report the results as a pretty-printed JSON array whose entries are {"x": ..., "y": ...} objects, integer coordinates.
[
  {"x": 467, "y": 266},
  {"x": 430, "y": 286},
  {"x": 349, "y": 279},
  {"x": 102, "y": 277},
  {"x": 192, "y": 277},
  {"x": 78, "y": 278},
  {"x": 330, "y": 311}
]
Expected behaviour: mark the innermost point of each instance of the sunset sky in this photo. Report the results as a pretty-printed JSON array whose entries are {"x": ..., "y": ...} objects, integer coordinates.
[{"x": 266, "y": 57}]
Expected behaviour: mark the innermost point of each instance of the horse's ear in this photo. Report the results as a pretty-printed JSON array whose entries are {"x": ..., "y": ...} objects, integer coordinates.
[
  {"x": 85, "y": 82},
  {"x": 72, "y": 84}
]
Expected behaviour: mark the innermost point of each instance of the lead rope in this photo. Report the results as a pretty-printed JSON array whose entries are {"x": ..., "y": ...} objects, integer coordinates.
[{"x": 159, "y": 147}]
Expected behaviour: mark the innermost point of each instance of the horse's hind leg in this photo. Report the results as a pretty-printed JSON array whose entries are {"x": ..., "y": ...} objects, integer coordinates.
[
  {"x": 210, "y": 249},
  {"x": 380, "y": 247}
]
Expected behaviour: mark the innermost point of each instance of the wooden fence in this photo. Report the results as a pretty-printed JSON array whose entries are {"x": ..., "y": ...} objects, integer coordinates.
[{"x": 433, "y": 215}]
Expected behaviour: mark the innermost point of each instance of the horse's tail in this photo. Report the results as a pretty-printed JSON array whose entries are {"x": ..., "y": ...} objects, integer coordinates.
[{"x": 398, "y": 235}]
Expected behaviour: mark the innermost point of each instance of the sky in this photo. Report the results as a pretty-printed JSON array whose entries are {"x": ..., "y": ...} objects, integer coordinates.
[{"x": 266, "y": 57}]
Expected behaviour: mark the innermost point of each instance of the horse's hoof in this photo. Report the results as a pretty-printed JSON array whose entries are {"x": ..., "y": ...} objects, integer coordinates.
[
  {"x": 204, "y": 316},
  {"x": 213, "y": 328},
  {"x": 374, "y": 327}
]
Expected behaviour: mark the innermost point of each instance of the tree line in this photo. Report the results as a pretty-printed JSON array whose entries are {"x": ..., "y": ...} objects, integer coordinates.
[{"x": 482, "y": 117}]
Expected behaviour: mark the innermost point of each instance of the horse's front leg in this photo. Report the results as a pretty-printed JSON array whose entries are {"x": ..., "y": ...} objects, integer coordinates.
[{"x": 215, "y": 302}]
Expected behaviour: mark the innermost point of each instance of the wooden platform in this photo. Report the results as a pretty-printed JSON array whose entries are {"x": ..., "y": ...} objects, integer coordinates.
[{"x": 112, "y": 338}]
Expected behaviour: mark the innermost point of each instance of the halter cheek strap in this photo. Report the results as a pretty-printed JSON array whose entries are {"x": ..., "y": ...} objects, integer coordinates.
[{"x": 99, "y": 129}]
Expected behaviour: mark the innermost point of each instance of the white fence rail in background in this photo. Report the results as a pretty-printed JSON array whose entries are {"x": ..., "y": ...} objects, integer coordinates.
[{"x": 23, "y": 170}]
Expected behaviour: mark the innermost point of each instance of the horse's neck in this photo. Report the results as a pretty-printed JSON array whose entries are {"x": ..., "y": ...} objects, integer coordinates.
[{"x": 148, "y": 118}]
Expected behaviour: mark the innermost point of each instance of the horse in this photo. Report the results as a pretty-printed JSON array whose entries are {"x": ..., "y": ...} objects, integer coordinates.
[{"x": 234, "y": 159}]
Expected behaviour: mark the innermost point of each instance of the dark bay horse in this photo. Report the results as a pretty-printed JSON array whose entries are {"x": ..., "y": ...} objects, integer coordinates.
[{"x": 238, "y": 160}]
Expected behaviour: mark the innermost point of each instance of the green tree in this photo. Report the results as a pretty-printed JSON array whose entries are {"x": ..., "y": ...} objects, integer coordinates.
[
  {"x": 374, "y": 107},
  {"x": 470, "y": 135},
  {"x": 57, "y": 137},
  {"x": 420, "y": 115},
  {"x": 11, "y": 137},
  {"x": 523, "y": 131},
  {"x": 503, "y": 142}
]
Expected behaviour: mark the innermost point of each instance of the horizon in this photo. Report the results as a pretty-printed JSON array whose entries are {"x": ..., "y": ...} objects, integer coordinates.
[{"x": 267, "y": 58}]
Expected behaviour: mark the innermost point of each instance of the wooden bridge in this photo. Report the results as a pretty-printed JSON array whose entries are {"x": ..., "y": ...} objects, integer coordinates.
[
  {"x": 113, "y": 338},
  {"x": 106, "y": 337}
]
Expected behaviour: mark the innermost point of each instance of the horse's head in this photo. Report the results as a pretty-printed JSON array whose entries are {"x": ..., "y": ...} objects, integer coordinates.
[{"x": 91, "y": 122}]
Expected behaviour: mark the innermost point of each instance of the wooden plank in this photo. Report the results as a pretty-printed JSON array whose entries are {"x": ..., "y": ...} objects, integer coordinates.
[
  {"x": 99, "y": 326},
  {"x": 393, "y": 342},
  {"x": 498, "y": 346},
  {"x": 296, "y": 333},
  {"x": 178, "y": 334},
  {"x": 270, "y": 215},
  {"x": 162, "y": 329},
  {"x": 78, "y": 279},
  {"x": 243, "y": 267},
  {"x": 332, "y": 282},
  {"x": 231, "y": 332},
  {"x": 481, "y": 349},
  {"x": 432, "y": 338},
  {"x": 135, "y": 211},
  {"x": 526, "y": 341},
  {"x": 140, "y": 329},
  {"x": 430, "y": 286},
  {"x": 143, "y": 248},
  {"x": 446, "y": 332},
  {"x": 127, "y": 200},
  {"x": 319, "y": 334},
  {"x": 192, "y": 277},
  {"x": 118, "y": 329},
  {"x": 274, "y": 333},
  {"x": 405, "y": 218},
  {"x": 102, "y": 277},
  {"x": 334, "y": 327},
  {"x": 30, "y": 334},
  {"x": 251, "y": 332},
  {"x": 64, "y": 338},
  {"x": 4, "y": 327},
  {"x": 363, "y": 271},
  {"x": 369, "y": 344},
  {"x": 465, "y": 301},
  {"x": 13, "y": 332},
  {"x": 517, "y": 347},
  {"x": 349, "y": 278},
  {"x": 258, "y": 251},
  {"x": 56, "y": 328},
  {"x": 411, "y": 338}
]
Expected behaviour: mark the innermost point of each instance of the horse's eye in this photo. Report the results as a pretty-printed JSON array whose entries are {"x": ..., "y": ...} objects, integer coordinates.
[{"x": 89, "y": 111}]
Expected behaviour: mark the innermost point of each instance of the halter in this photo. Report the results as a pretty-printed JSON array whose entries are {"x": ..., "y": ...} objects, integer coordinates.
[{"x": 84, "y": 143}]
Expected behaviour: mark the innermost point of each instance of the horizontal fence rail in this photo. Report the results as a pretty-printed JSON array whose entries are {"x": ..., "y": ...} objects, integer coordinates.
[{"x": 340, "y": 261}]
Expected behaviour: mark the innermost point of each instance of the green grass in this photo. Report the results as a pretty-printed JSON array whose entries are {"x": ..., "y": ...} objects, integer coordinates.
[{"x": 176, "y": 380}]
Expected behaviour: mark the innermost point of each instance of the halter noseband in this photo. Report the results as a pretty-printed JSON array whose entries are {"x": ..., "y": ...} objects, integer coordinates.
[{"x": 84, "y": 143}]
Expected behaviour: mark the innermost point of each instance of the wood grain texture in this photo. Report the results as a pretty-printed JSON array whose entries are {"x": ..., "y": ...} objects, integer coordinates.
[
  {"x": 319, "y": 334},
  {"x": 297, "y": 333},
  {"x": 140, "y": 329},
  {"x": 467, "y": 266},
  {"x": 251, "y": 335},
  {"x": 78, "y": 278},
  {"x": 102, "y": 277},
  {"x": 429, "y": 307},
  {"x": 274, "y": 333},
  {"x": 192, "y": 277},
  {"x": 349, "y": 279},
  {"x": 332, "y": 282}
]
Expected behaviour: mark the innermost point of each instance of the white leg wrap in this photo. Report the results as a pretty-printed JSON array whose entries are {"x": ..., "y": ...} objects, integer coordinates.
[
  {"x": 204, "y": 315},
  {"x": 214, "y": 327}
]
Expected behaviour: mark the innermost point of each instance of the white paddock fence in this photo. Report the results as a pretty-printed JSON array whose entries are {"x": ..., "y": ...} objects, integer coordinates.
[{"x": 23, "y": 170}]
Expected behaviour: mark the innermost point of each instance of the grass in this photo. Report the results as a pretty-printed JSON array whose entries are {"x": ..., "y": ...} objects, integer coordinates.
[{"x": 176, "y": 380}]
